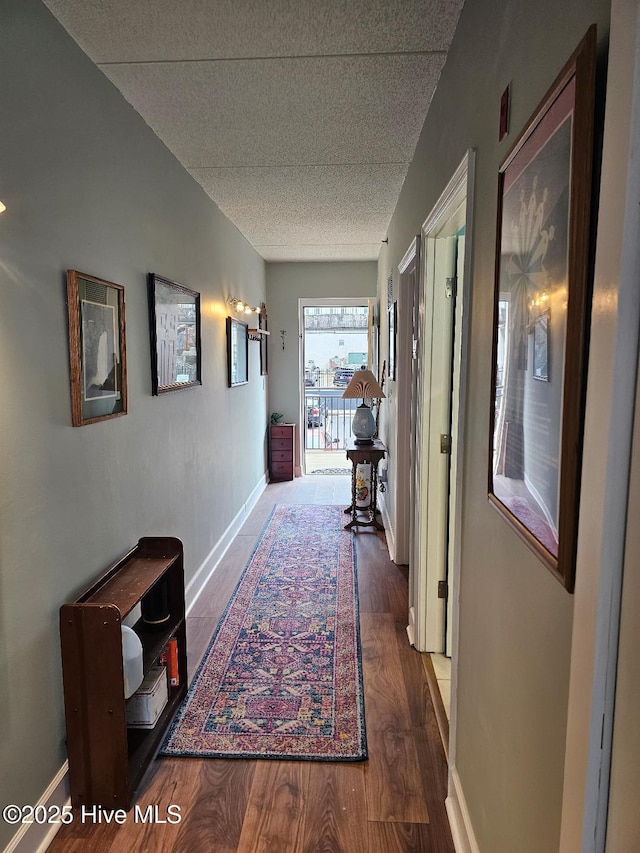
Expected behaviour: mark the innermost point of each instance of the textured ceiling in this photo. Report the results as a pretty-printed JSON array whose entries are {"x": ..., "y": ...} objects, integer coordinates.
[{"x": 299, "y": 118}]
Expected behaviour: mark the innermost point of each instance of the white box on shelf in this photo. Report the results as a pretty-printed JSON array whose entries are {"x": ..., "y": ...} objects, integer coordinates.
[{"x": 147, "y": 703}]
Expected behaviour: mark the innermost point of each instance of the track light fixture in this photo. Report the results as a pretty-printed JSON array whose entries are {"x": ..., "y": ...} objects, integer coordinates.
[{"x": 242, "y": 307}]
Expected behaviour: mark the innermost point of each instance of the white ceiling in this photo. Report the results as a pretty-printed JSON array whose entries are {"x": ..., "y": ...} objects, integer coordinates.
[{"x": 299, "y": 118}]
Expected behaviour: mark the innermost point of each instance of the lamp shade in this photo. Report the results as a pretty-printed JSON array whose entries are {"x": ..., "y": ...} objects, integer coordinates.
[{"x": 363, "y": 384}]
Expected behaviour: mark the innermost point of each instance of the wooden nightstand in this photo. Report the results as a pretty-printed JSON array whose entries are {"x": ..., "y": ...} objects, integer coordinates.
[{"x": 281, "y": 451}]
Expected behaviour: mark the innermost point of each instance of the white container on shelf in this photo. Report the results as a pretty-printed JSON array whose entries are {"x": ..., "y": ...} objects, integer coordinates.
[
  {"x": 131, "y": 661},
  {"x": 148, "y": 702}
]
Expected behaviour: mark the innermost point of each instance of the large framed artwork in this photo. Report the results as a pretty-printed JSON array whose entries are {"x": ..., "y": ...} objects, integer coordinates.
[
  {"x": 174, "y": 319},
  {"x": 97, "y": 353},
  {"x": 540, "y": 318}
]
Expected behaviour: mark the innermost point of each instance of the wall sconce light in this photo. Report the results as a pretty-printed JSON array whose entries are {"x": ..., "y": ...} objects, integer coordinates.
[
  {"x": 241, "y": 307},
  {"x": 3, "y": 207}
]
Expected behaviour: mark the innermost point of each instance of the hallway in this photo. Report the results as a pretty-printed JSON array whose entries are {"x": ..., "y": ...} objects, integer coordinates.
[{"x": 391, "y": 803}]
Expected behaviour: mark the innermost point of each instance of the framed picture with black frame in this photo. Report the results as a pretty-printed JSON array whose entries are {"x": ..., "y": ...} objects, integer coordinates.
[
  {"x": 174, "y": 319},
  {"x": 237, "y": 352}
]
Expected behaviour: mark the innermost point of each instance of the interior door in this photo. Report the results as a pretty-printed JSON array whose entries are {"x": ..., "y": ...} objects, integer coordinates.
[
  {"x": 420, "y": 352},
  {"x": 433, "y": 445},
  {"x": 438, "y": 439}
]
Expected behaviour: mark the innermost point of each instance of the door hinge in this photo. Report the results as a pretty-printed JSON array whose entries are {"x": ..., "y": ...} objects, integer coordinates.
[
  {"x": 450, "y": 287},
  {"x": 445, "y": 443},
  {"x": 443, "y": 589}
]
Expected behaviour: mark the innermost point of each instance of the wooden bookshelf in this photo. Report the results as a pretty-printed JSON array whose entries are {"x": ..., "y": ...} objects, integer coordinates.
[{"x": 107, "y": 759}]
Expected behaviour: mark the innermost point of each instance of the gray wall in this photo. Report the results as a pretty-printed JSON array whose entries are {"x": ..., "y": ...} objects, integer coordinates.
[
  {"x": 286, "y": 284},
  {"x": 515, "y": 620},
  {"x": 88, "y": 186}
]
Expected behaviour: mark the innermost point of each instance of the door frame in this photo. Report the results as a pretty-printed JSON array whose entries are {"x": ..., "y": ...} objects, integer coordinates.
[
  {"x": 459, "y": 191},
  {"x": 405, "y": 489},
  {"x": 464, "y": 176},
  {"x": 320, "y": 302}
]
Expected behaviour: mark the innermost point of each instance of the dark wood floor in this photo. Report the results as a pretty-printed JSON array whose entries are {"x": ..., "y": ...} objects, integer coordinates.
[{"x": 393, "y": 802}]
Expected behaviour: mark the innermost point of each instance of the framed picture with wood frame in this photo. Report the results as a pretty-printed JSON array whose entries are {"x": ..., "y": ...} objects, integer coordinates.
[
  {"x": 97, "y": 352},
  {"x": 542, "y": 263}
]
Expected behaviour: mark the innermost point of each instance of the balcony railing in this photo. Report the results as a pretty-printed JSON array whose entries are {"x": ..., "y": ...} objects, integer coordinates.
[
  {"x": 335, "y": 322},
  {"x": 328, "y": 417}
]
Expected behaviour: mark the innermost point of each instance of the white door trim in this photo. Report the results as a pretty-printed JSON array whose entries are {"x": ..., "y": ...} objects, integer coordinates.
[
  {"x": 409, "y": 270},
  {"x": 458, "y": 192},
  {"x": 462, "y": 183}
]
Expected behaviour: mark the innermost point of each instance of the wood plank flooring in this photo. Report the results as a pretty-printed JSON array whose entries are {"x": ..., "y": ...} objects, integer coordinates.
[{"x": 392, "y": 803}]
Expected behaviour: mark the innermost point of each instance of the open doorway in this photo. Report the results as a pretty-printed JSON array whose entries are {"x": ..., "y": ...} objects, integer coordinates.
[{"x": 335, "y": 340}]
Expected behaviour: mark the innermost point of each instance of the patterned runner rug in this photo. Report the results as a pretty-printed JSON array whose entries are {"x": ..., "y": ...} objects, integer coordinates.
[{"x": 282, "y": 677}]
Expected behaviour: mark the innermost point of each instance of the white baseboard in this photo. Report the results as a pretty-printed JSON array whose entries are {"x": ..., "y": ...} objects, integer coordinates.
[
  {"x": 36, "y": 837},
  {"x": 388, "y": 529},
  {"x": 411, "y": 636},
  {"x": 411, "y": 627},
  {"x": 212, "y": 560},
  {"x": 464, "y": 839}
]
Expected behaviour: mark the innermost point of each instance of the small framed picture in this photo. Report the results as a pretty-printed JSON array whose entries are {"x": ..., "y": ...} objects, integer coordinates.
[{"x": 97, "y": 353}]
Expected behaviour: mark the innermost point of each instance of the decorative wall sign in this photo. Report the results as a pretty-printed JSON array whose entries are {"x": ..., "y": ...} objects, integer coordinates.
[
  {"x": 97, "y": 352},
  {"x": 541, "y": 271},
  {"x": 174, "y": 316}
]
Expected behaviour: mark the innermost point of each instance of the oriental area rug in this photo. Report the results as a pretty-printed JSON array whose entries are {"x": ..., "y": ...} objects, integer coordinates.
[{"x": 282, "y": 677}]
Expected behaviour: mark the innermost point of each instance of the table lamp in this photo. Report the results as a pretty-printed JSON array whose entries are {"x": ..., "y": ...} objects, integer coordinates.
[{"x": 363, "y": 384}]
